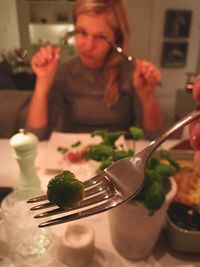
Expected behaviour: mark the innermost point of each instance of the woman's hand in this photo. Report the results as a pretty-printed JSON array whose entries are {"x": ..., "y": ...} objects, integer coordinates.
[
  {"x": 145, "y": 78},
  {"x": 44, "y": 62}
]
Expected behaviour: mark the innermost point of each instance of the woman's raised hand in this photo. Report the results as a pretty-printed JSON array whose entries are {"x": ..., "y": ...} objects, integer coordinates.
[
  {"x": 145, "y": 78},
  {"x": 44, "y": 62}
]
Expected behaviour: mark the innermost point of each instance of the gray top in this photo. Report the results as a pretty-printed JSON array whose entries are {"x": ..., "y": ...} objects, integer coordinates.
[{"x": 76, "y": 101}]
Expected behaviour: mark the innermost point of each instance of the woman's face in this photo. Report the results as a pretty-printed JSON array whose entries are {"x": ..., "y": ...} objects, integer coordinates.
[{"x": 92, "y": 48}]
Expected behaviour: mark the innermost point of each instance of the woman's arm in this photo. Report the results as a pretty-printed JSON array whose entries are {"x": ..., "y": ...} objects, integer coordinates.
[
  {"x": 145, "y": 78},
  {"x": 44, "y": 64}
]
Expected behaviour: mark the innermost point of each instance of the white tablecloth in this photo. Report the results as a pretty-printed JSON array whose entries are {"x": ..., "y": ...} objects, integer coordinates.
[{"x": 163, "y": 256}]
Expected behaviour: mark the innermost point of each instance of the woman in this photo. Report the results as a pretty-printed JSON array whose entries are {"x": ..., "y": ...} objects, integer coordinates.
[
  {"x": 194, "y": 128},
  {"x": 99, "y": 88}
]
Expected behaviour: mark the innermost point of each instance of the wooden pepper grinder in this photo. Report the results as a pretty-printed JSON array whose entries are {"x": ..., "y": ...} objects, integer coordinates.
[{"x": 25, "y": 148}]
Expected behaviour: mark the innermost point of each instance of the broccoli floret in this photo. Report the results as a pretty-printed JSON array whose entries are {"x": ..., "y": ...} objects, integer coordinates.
[{"x": 65, "y": 190}]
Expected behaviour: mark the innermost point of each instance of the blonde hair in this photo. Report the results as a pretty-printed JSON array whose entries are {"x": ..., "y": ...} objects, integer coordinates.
[{"x": 117, "y": 18}]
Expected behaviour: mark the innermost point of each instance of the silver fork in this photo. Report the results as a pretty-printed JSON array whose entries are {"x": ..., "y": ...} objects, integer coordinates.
[
  {"x": 23, "y": 53},
  {"x": 115, "y": 185},
  {"x": 118, "y": 49}
]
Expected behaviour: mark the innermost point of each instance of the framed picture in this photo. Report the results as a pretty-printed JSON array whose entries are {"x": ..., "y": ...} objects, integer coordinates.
[
  {"x": 177, "y": 23},
  {"x": 174, "y": 54}
]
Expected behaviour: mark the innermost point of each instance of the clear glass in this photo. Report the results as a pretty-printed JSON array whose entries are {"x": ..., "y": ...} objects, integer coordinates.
[{"x": 27, "y": 242}]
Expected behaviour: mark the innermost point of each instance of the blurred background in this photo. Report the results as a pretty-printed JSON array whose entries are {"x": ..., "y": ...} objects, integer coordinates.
[{"x": 165, "y": 32}]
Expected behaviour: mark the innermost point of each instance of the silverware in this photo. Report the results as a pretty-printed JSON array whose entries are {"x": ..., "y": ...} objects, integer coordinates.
[
  {"x": 117, "y": 184},
  {"x": 66, "y": 37},
  {"x": 119, "y": 50},
  {"x": 23, "y": 53}
]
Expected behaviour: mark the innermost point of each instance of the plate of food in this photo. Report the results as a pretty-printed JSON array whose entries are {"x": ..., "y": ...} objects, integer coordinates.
[{"x": 69, "y": 151}]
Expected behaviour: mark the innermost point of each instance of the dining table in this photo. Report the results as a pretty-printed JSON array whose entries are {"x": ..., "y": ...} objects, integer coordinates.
[{"x": 105, "y": 253}]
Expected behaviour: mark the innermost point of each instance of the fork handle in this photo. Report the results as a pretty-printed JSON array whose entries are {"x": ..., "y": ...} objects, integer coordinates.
[{"x": 183, "y": 122}]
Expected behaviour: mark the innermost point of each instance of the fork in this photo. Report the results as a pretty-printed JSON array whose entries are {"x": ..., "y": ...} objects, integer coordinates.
[
  {"x": 23, "y": 53},
  {"x": 115, "y": 185},
  {"x": 118, "y": 49}
]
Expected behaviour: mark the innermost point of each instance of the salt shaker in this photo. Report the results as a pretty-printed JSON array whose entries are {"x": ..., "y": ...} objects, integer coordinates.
[{"x": 25, "y": 148}]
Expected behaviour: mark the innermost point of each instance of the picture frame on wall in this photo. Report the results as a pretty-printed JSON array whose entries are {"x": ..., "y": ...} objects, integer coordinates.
[
  {"x": 177, "y": 23},
  {"x": 174, "y": 54}
]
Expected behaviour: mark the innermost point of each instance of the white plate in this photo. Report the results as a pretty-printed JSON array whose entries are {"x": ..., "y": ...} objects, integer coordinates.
[{"x": 53, "y": 160}]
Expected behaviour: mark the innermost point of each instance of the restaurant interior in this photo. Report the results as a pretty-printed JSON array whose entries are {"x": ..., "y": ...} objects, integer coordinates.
[
  {"x": 167, "y": 33},
  {"x": 30, "y": 24}
]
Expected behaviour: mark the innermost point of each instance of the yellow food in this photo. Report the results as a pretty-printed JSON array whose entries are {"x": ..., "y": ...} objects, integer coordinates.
[{"x": 188, "y": 184}]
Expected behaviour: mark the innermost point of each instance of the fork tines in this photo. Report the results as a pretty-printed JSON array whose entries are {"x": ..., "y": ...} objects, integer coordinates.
[{"x": 97, "y": 190}]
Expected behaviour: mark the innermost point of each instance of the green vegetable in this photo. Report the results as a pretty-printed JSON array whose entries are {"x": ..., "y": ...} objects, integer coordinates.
[
  {"x": 100, "y": 152},
  {"x": 152, "y": 162},
  {"x": 164, "y": 171},
  {"x": 164, "y": 154},
  {"x": 157, "y": 173},
  {"x": 62, "y": 149},
  {"x": 156, "y": 181},
  {"x": 136, "y": 133},
  {"x": 154, "y": 197},
  {"x": 108, "y": 138},
  {"x": 106, "y": 152},
  {"x": 105, "y": 164},
  {"x": 78, "y": 143},
  {"x": 65, "y": 190},
  {"x": 120, "y": 154}
]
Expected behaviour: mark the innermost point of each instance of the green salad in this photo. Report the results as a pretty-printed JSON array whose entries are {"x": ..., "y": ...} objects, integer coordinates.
[
  {"x": 66, "y": 190},
  {"x": 158, "y": 171}
]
